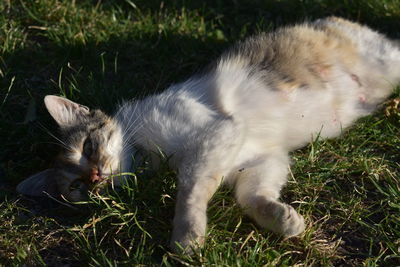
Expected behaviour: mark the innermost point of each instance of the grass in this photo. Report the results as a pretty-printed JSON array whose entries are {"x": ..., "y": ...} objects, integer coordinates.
[{"x": 100, "y": 52}]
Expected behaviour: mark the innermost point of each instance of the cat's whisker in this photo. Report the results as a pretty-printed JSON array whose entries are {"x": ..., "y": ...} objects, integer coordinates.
[
  {"x": 133, "y": 132},
  {"x": 129, "y": 134},
  {"x": 58, "y": 144},
  {"x": 127, "y": 147},
  {"x": 122, "y": 113},
  {"x": 63, "y": 144},
  {"x": 119, "y": 109},
  {"x": 130, "y": 123}
]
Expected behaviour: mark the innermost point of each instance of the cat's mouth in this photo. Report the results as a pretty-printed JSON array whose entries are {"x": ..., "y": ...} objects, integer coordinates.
[{"x": 91, "y": 183}]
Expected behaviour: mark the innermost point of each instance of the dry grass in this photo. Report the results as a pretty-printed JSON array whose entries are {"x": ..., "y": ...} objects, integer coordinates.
[{"x": 99, "y": 52}]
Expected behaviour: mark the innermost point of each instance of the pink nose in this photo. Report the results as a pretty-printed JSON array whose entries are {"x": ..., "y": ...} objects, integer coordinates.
[{"x": 95, "y": 175}]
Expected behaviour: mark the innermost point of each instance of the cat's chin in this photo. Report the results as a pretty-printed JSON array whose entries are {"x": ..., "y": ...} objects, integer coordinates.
[{"x": 77, "y": 196}]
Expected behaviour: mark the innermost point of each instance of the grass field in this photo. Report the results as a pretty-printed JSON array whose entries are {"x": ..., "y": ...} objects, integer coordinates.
[{"x": 101, "y": 52}]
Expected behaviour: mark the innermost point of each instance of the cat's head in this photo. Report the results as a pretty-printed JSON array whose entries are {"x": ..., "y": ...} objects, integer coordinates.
[{"x": 92, "y": 152}]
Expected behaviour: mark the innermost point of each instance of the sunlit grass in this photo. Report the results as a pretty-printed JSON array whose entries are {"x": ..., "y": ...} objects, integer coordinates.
[{"x": 101, "y": 52}]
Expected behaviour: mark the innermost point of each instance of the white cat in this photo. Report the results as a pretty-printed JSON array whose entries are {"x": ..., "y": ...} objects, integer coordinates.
[{"x": 233, "y": 124}]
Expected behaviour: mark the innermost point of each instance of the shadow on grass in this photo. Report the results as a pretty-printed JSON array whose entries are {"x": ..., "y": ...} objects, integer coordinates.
[
  {"x": 100, "y": 75},
  {"x": 253, "y": 15}
]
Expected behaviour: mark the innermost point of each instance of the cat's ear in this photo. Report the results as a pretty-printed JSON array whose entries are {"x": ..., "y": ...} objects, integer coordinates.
[
  {"x": 40, "y": 184},
  {"x": 64, "y": 111}
]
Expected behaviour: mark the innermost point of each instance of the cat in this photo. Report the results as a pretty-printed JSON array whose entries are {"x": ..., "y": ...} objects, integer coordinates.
[{"x": 233, "y": 124}]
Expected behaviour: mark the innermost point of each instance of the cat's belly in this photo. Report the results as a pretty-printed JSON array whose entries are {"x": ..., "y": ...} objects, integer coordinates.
[
  {"x": 310, "y": 114},
  {"x": 320, "y": 115}
]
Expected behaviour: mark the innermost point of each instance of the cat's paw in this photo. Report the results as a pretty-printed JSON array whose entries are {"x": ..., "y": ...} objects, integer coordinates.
[
  {"x": 279, "y": 217},
  {"x": 186, "y": 243},
  {"x": 292, "y": 223}
]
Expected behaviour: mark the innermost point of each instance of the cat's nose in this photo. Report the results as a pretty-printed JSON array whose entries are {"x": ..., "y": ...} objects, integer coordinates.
[{"x": 95, "y": 176}]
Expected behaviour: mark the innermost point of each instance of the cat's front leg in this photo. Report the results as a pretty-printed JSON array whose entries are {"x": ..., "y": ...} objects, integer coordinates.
[
  {"x": 190, "y": 219},
  {"x": 257, "y": 191}
]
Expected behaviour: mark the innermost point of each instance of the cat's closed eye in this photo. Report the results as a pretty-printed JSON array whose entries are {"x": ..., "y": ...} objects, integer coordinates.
[{"x": 87, "y": 148}]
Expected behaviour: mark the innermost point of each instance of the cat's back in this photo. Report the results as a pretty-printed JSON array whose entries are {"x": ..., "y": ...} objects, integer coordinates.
[
  {"x": 267, "y": 73},
  {"x": 295, "y": 56},
  {"x": 293, "y": 80},
  {"x": 299, "y": 78}
]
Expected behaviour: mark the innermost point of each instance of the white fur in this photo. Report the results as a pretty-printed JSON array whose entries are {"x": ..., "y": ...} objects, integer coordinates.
[{"x": 230, "y": 127}]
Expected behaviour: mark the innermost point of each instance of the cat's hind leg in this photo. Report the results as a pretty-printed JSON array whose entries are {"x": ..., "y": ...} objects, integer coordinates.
[{"x": 257, "y": 191}]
